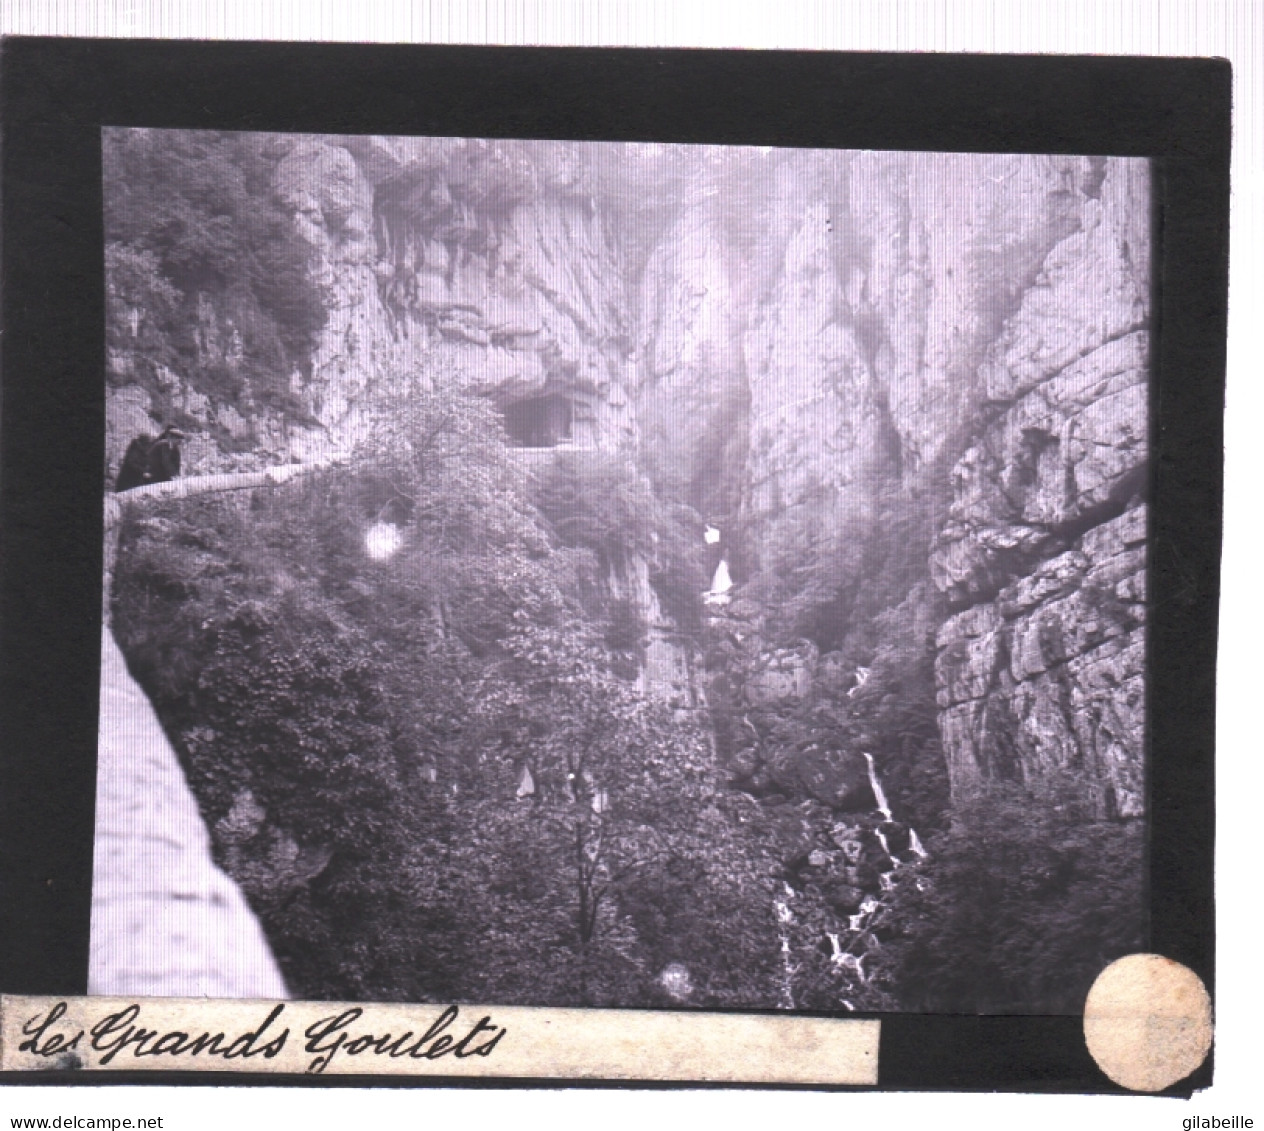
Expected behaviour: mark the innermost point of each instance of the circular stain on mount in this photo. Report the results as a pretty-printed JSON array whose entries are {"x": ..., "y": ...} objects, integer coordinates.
[{"x": 1147, "y": 1022}]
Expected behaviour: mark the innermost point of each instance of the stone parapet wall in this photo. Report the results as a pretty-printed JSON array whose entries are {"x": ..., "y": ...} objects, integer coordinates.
[{"x": 165, "y": 920}]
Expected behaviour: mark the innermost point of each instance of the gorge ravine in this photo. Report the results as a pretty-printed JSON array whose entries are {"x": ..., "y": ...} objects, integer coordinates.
[{"x": 909, "y": 390}]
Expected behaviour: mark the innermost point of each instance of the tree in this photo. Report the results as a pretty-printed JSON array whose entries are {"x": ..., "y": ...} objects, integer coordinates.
[
  {"x": 1021, "y": 903},
  {"x": 431, "y": 769},
  {"x": 191, "y": 219},
  {"x": 271, "y": 692},
  {"x": 597, "y": 778},
  {"x": 139, "y": 301}
]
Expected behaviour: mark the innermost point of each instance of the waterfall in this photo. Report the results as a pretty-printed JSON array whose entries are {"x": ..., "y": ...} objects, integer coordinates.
[
  {"x": 852, "y": 962},
  {"x": 849, "y": 949},
  {"x": 862, "y": 677},
  {"x": 718, "y": 594},
  {"x": 784, "y": 918},
  {"x": 882, "y": 840},
  {"x": 846, "y": 959},
  {"x": 915, "y": 843},
  {"x": 867, "y": 907},
  {"x": 878, "y": 795},
  {"x": 722, "y": 582},
  {"x": 859, "y": 936}
]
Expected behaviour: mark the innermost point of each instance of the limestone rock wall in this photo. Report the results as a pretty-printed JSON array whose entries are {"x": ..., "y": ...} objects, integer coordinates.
[
  {"x": 1050, "y": 675},
  {"x": 971, "y": 329},
  {"x": 1044, "y": 550},
  {"x": 693, "y": 397},
  {"x": 865, "y": 351},
  {"x": 937, "y": 251},
  {"x": 482, "y": 263},
  {"x": 668, "y": 665},
  {"x": 798, "y": 345},
  {"x": 819, "y": 439},
  {"x": 463, "y": 258}
]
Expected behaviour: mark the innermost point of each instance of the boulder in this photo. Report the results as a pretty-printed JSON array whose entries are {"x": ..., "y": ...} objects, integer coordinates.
[
  {"x": 897, "y": 835},
  {"x": 839, "y": 778},
  {"x": 265, "y": 859},
  {"x": 782, "y": 675},
  {"x": 127, "y": 415},
  {"x": 744, "y": 763},
  {"x": 863, "y": 876},
  {"x": 848, "y": 839},
  {"x": 324, "y": 183},
  {"x": 844, "y": 899}
]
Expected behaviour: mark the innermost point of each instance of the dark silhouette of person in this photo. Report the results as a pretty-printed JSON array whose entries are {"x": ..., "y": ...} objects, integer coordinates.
[
  {"x": 149, "y": 460},
  {"x": 164, "y": 456},
  {"x": 134, "y": 470}
]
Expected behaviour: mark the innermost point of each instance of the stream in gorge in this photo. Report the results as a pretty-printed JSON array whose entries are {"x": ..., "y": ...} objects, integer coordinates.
[
  {"x": 857, "y": 837},
  {"x": 849, "y": 947},
  {"x": 838, "y": 475}
]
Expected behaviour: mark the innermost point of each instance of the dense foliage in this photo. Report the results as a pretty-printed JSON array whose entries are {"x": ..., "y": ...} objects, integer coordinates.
[
  {"x": 1024, "y": 895},
  {"x": 196, "y": 244},
  {"x": 409, "y": 694},
  {"x": 1022, "y": 903},
  {"x": 430, "y": 771},
  {"x": 604, "y": 503}
]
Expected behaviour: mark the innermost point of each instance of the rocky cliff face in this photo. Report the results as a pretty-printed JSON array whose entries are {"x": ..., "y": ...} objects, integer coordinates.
[
  {"x": 165, "y": 920},
  {"x": 464, "y": 253},
  {"x": 486, "y": 264},
  {"x": 799, "y": 345},
  {"x": 865, "y": 355},
  {"x": 1045, "y": 546},
  {"x": 972, "y": 329}
]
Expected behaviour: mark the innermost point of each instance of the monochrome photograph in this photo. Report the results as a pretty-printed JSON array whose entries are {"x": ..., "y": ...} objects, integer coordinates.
[{"x": 558, "y": 573}]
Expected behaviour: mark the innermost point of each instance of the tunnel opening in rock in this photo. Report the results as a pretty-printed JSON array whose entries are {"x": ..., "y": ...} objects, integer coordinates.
[{"x": 540, "y": 422}]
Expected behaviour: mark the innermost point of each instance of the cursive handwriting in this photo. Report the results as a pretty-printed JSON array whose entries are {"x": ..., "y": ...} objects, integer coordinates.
[
  {"x": 332, "y": 1035},
  {"x": 116, "y": 1033},
  {"x": 42, "y": 1040},
  {"x": 122, "y": 1034}
]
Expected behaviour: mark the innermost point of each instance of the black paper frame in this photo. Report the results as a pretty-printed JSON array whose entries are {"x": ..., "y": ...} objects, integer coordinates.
[{"x": 57, "y": 94}]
